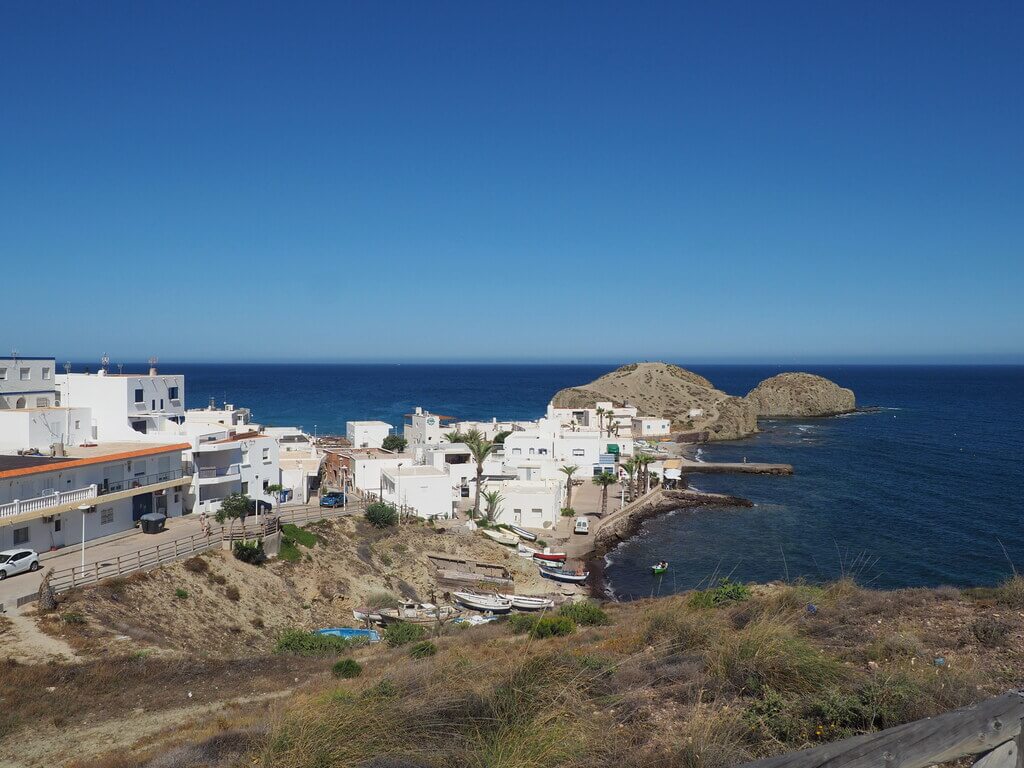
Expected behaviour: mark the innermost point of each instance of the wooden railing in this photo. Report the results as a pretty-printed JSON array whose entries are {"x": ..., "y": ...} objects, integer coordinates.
[{"x": 991, "y": 730}]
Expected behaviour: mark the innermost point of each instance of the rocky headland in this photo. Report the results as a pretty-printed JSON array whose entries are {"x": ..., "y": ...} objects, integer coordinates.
[{"x": 801, "y": 394}]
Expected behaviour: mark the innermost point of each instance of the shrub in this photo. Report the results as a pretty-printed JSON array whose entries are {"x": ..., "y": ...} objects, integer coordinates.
[
  {"x": 382, "y": 600},
  {"x": 394, "y": 443},
  {"x": 990, "y": 632},
  {"x": 552, "y": 626},
  {"x": 1011, "y": 592},
  {"x": 70, "y": 617},
  {"x": 232, "y": 593},
  {"x": 288, "y": 551},
  {"x": 381, "y": 515},
  {"x": 299, "y": 535},
  {"x": 521, "y": 623},
  {"x": 385, "y": 559},
  {"x": 346, "y": 668},
  {"x": 302, "y": 643},
  {"x": 422, "y": 650},
  {"x": 568, "y": 511},
  {"x": 585, "y": 614},
  {"x": 196, "y": 565},
  {"x": 180, "y": 593},
  {"x": 726, "y": 591},
  {"x": 250, "y": 552},
  {"x": 402, "y": 632},
  {"x": 895, "y": 646}
]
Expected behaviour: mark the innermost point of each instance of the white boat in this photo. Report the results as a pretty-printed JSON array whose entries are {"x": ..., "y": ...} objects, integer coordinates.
[
  {"x": 528, "y": 552},
  {"x": 522, "y": 533},
  {"x": 528, "y": 603},
  {"x": 502, "y": 538},
  {"x": 418, "y": 613},
  {"x": 371, "y": 615},
  {"x": 483, "y": 603}
]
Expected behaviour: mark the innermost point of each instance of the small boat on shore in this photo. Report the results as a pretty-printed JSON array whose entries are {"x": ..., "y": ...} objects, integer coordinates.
[
  {"x": 524, "y": 551},
  {"x": 522, "y": 533},
  {"x": 418, "y": 613},
  {"x": 528, "y": 603},
  {"x": 350, "y": 633},
  {"x": 371, "y": 615},
  {"x": 502, "y": 538},
  {"x": 564, "y": 576},
  {"x": 550, "y": 557},
  {"x": 483, "y": 603}
]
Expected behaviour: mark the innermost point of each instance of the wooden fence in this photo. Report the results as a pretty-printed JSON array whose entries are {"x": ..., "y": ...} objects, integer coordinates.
[{"x": 991, "y": 730}]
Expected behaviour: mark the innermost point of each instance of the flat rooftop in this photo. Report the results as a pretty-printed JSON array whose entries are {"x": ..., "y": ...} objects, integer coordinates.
[
  {"x": 369, "y": 424},
  {"x": 416, "y": 470},
  {"x": 21, "y": 462},
  {"x": 84, "y": 455}
]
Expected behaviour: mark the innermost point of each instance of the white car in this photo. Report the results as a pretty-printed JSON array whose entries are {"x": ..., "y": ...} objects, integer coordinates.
[
  {"x": 582, "y": 526},
  {"x": 14, "y": 561}
]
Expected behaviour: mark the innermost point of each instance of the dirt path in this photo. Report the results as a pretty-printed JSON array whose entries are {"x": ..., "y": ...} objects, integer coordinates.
[
  {"x": 24, "y": 642},
  {"x": 54, "y": 746}
]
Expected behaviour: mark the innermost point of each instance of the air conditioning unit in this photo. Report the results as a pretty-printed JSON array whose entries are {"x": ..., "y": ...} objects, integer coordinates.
[{"x": 48, "y": 518}]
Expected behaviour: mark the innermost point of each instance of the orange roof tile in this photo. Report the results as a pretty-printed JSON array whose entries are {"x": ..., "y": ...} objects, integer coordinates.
[{"x": 72, "y": 463}]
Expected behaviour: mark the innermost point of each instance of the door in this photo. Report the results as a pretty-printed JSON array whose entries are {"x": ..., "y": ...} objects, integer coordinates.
[
  {"x": 141, "y": 505},
  {"x": 58, "y": 532}
]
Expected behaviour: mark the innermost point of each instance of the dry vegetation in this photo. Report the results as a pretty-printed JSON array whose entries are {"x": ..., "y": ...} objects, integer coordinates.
[{"x": 679, "y": 681}]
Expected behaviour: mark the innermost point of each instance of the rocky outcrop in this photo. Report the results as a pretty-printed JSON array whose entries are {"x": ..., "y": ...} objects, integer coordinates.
[
  {"x": 660, "y": 389},
  {"x": 800, "y": 394}
]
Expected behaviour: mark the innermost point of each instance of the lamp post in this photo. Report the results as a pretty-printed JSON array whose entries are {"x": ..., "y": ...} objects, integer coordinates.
[{"x": 84, "y": 509}]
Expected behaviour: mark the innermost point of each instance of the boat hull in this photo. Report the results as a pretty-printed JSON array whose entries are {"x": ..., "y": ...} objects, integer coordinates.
[
  {"x": 565, "y": 578},
  {"x": 552, "y": 557},
  {"x": 525, "y": 603},
  {"x": 502, "y": 538},
  {"x": 483, "y": 603},
  {"x": 522, "y": 533}
]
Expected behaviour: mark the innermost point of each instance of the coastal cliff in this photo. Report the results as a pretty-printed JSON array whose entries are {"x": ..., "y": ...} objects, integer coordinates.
[
  {"x": 800, "y": 394},
  {"x": 694, "y": 404}
]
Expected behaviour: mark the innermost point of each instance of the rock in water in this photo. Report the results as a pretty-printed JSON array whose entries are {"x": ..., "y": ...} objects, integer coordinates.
[
  {"x": 800, "y": 394},
  {"x": 660, "y": 389}
]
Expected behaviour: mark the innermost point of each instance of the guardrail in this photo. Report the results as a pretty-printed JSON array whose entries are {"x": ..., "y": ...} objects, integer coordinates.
[
  {"x": 229, "y": 471},
  {"x": 140, "y": 482},
  {"x": 55, "y": 499}
]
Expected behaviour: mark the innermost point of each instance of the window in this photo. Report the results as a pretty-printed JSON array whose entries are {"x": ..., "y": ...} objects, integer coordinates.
[
  {"x": 245, "y": 487},
  {"x": 3, "y": 374},
  {"x": 266, "y": 454},
  {"x": 46, "y": 374},
  {"x": 138, "y": 396},
  {"x": 57, "y": 522},
  {"x": 78, "y": 424},
  {"x": 517, "y": 451},
  {"x": 26, "y": 374},
  {"x": 161, "y": 403},
  {"x": 172, "y": 393},
  {"x": 532, "y": 451},
  {"x": 106, "y": 516},
  {"x": 578, "y": 452},
  {"x": 42, "y": 402},
  {"x": 21, "y": 535},
  {"x": 537, "y": 512},
  {"x": 266, "y": 485},
  {"x": 542, "y": 451}
]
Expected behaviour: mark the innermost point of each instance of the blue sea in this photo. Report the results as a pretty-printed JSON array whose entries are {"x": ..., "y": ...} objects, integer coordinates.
[{"x": 926, "y": 488}]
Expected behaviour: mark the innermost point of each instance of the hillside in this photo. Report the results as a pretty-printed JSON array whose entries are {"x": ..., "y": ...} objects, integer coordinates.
[
  {"x": 705, "y": 679},
  {"x": 801, "y": 394},
  {"x": 662, "y": 389}
]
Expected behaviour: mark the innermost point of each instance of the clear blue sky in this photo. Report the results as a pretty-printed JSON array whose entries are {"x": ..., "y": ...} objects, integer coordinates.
[{"x": 423, "y": 180}]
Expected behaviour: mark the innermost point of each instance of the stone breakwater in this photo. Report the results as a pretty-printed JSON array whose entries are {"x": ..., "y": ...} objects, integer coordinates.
[{"x": 621, "y": 525}]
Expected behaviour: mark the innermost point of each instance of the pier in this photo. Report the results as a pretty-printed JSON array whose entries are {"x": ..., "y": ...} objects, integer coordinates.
[{"x": 736, "y": 467}]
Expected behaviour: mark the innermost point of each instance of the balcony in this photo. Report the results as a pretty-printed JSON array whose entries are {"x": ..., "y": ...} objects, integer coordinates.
[
  {"x": 211, "y": 475},
  {"x": 49, "y": 501},
  {"x": 132, "y": 483}
]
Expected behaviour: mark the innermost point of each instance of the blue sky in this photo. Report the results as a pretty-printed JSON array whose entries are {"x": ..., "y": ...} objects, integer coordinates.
[{"x": 545, "y": 181}]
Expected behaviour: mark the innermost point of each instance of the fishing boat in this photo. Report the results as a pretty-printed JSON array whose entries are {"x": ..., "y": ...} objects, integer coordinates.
[
  {"x": 659, "y": 569},
  {"x": 474, "y": 620},
  {"x": 502, "y": 538},
  {"x": 564, "y": 576},
  {"x": 528, "y": 603},
  {"x": 483, "y": 603},
  {"x": 522, "y": 533},
  {"x": 418, "y": 613},
  {"x": 528, "y": 552},
  {"x": 550, "y": 557},
  {"x": 349, "y": 633},
  {"x": 371, "y": 615}
]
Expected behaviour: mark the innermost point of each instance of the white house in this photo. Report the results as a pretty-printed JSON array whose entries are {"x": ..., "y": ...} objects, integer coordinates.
[
  {"x": 425, "y": 428},
  {"x": 528, "y": 503},
  {"x": 425, "y": 490},
  {"x": 40, "y": 497},
  {"x": 367, "y": 434},
  {"x": 227, "y": 462},
  {"x": 48, "y": 429},
  {"x": 300, "y": 461},
  {"x": 27, "y": 382},
  {"x": 651, "y": 426},
  {"x": 364, "y": 466}
]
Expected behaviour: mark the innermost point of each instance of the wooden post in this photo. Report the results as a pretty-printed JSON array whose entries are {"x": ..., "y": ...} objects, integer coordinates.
[{"x": 118, "y": 565}]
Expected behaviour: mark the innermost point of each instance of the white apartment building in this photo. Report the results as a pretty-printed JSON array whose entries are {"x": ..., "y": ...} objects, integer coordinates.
[
  {"x": 528, "y": 503},
  {"x": 125, "y": 406},
  {"x": 367, "y": 434},
  {"x": 426, "y": 491},
  {"x": 426, "y": 428},
  {"x": 611, "y": 417},
  {"x": 40, "y": 497},
  {"x": 539, "y": 453},
  {"x": 651, "y": 426},
  {"x": 27, "y": 382},
  {"x": 227, "y": 462},
  {"x": 364, "y": 466},
  {"x": 300, "y": 461}
]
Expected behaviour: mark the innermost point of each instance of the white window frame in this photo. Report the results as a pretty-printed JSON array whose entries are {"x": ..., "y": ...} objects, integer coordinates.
[
  {"x": 46, "y": 374},
  {"x": 21, "y": 536},
  {"x": 25, "y": 374}
]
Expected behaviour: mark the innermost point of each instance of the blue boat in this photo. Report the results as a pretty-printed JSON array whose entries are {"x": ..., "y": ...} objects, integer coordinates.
[{"x": 350, "y": 633}]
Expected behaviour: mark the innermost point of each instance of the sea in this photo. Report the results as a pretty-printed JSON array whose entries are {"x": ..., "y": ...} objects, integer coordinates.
[{"x": 923, "y": 487}]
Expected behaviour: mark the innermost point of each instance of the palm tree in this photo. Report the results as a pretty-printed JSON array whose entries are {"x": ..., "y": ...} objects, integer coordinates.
[
  {"x": 493, "y": 499},
  {"x": 481, "y": 449},
  {"x": 454, "y": 436},
  {"x": 645, "y": 460},
  {"x": 631, "y": 466},
  {"x": 600, "y": 420},
  {"x": 604, "y": 480},
  {"x": 568, "y": 470}
]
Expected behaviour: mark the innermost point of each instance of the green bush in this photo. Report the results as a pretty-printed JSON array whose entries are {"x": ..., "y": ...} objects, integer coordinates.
[
  {"x": 552, "y": 626},
  {"x": 302, "y": 643},
  {"x": 346, "y": 668},
  {"x": 70, "y": 617},
  {"x": 568, "y": 511},
  {"x": 402, "y": 632},
  {"x": 394, "y": 443},
  {"x": 250, "y": 552},
  {"x": 288, "y": 551},
  {"x": 180, "y": 593},
  {"x": 299, "y": 535},
  {"x": 422, "y": 650},
  {"x": 585, "y": 614},
  {"x": 990, "y": 632},
  {"x": 381, "y": 515},
  {"x": 521, "y": 623},
  {"x": 727, "y": 591}
]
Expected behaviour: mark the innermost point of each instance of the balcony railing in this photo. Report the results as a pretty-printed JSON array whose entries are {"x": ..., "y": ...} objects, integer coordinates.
[
  {"x": 229, "y": 471},
  {"x": 55, "y": 499},
  {"x": 140, "y": 482}
]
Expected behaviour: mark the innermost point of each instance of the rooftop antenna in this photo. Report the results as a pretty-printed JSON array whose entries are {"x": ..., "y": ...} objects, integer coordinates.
[
  {"x": 14, "y": 354},
  {"x": 105, "y": 362},
  {"x": 152, "y": 365},
  {"x": 120, "y": 368},
  {"x": 67, "y": 367}
]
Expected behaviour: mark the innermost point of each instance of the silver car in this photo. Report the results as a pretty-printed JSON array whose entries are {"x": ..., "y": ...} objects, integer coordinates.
[{"x": 14, "y": 561}]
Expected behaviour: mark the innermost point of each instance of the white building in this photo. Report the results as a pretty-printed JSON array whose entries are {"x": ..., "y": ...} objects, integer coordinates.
[
  {"x": 425, "y": 428},
  {"x": 300, "y": 461},
  {"x": 425, "y": 491},
  {"x": 528, "y": 503},
  {"x": 119, "y": 482},
  {"x": 365, "y": 465},
  {"x": 126, "y": 405},
  {"x": 47, "y": 430},
  {"x": 367, "y": 434},
  {"x": 651, "y": 426},
  {"x": 227, "y": 462},
  {"x": 27, "y": 382}
]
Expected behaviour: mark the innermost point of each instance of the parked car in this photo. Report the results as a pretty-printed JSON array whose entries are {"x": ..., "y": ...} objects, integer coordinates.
[
  {"x": 14, "y": 561},
  {"x": 332, "y": 499},
  {"x": 582, "y": 526}
]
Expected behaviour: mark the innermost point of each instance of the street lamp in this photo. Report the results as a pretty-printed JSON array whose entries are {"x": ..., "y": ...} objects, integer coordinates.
[{"x": 84, "y": 509}]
